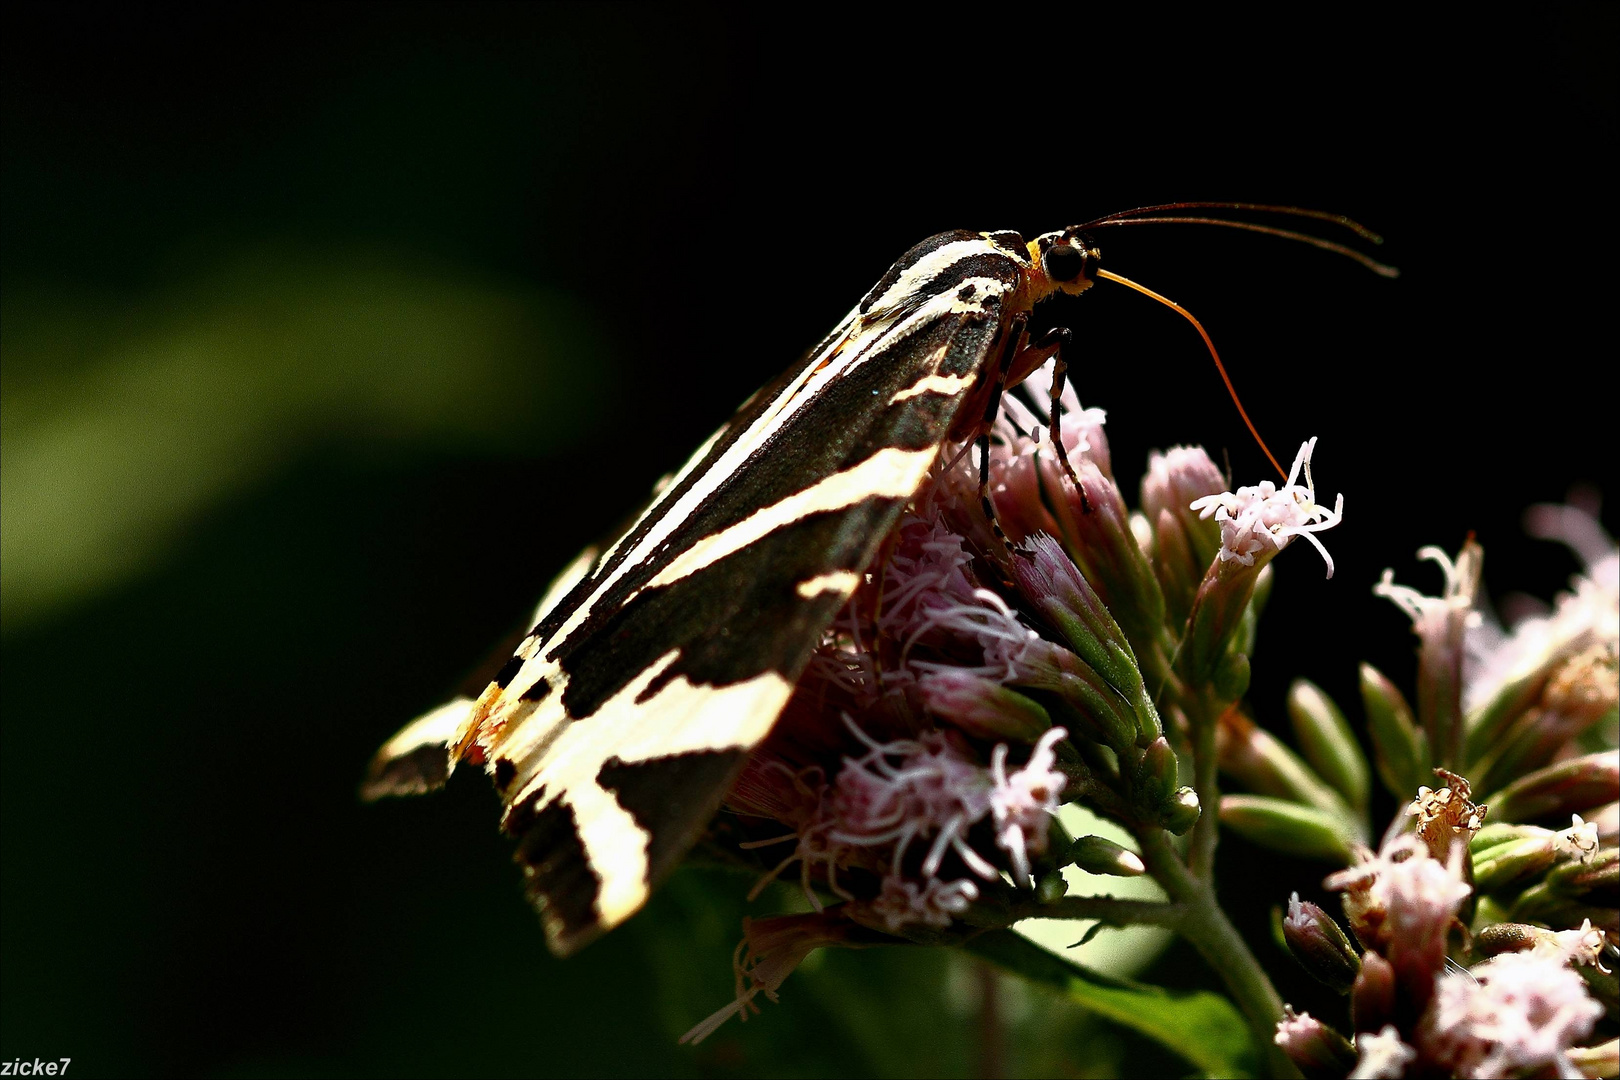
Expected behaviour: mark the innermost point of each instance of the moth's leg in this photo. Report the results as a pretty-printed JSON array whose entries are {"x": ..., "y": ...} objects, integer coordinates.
[
  {"x": 1059, "y": 339},
  {"x": 1010, "y": 349}
]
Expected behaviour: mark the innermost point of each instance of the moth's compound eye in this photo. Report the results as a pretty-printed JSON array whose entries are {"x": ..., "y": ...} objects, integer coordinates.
[{"x": 1065, "y": 263}]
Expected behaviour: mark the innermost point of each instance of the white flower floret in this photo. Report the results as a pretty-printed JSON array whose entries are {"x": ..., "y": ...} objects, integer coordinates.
[
  {"x": 1024, "y": 803},
  {"x": 1260, "y": 521},
  {"x": 1382, "y": 1056},
  {"x": 1581, "y": 947},
  {"x": 935, "y": 903},
  {"x": 1429, "y": 614},
  {"x": 1579, "y": 841},
  {"x": 929, "y": 592},
  {"x": 1516, "y": 1012}
]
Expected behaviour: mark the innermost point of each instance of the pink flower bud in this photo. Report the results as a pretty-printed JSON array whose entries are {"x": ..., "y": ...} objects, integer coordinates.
[
  {"x": 1317, "y": 1050},
  {"x": 981, "y": 707},
  {"x": 1320, "y": 946}
]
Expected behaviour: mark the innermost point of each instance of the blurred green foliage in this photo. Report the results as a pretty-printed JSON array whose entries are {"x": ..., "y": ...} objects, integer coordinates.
[{"x": 127, "y": 418}]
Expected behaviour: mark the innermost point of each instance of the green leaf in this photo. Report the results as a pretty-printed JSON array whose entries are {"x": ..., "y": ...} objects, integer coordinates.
[{"x": 1203, "y": 1027}]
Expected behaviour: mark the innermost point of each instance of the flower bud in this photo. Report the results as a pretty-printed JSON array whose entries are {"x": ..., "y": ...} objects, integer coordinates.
[
  {"x": 1051, "y": 888},
  {"x": 1174, "y": 481},
  {"x": 1217, "y": 615},
  {"x": 1095, "y": 855},
  {"x": 1178, "y": 569},
  {"x": 1325, "y": 737},
  {"x": 982, "y": 707},
  {"x": 1320, "y": 946},
  {"x": 1511, "y": 863},
  {"x": 1266, "y": 766},
  {"x": 1542, "y": 904},
  {"x": 1288, "y": 827},
  {"x": 1181, "y": 811},
  {"x": 1601, "y": 873},
  {"x": 1158, "y": 774},
  {"x": 1231, "y": 679},
  {"x": 1569, "y": 787},
  {"x": 1498, "y": 834},
  {"x": 1441, "y": 624},
  {"x": 1316, "y": 1049},
  {"x": 1096, "y": 709},
  {"x": 1606, "y": 820},
  {"x": 1097, "y": 534},
  {"x": 1372, "y": 998},
  {"x": 1515, "y": 937},
  {"x": 1489, "y": 722},
  {"x": 1060, "y": 592},
  {"x": 1400, "y": 748}
]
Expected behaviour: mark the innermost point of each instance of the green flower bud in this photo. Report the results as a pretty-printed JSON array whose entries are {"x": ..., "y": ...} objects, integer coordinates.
[
  {"x": 1600, "y": 873},
  {"x": 1051, "y": 888},
  {"x": 1569, "y": 787},
  {"x": 1181, "y": 811},
  {"x": 1050, "y": 581},
  {"x": 1158, "y": 774},
  {"x": 1095, "y": 855},
  {"x": 1099, "y": 539},
  {"x": 1400, "y": 748},
  {"x": 1266, "y": 766},
  {"x": 1231, "y": 679},
  {"x": 1510, "y": 937},
  {"x": 1508, "y": 864},
  {"x": 1217, "y": 616},
  {"x": 1325, "y": 737},
  {"x": 1097, "y": 710},
  {"x": 1542, "y": 904},
  {"x": 1288, "y": 827}
]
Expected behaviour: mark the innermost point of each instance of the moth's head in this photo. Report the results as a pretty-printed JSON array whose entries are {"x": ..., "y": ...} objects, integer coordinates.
[{"x": 1062, "y": 262}]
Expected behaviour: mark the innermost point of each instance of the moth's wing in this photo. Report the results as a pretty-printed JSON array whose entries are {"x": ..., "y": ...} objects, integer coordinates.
[
  {"x": 616, "y": 729},
  {"x": 418, "y": 759}
]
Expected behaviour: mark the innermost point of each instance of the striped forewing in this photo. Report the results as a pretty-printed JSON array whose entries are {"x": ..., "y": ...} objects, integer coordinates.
[{"x": 617, "y": 727}]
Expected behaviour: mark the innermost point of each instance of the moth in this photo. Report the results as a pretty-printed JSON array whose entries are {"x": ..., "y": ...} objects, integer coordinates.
[{"x": 656, "y": 664}]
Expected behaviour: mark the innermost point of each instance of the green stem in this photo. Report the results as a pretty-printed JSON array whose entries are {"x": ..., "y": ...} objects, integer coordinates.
[
  {"x": 1206, "y": 926},
  {"x": 1205, "y": 834},
  {"x": 1106, "y": 909}
]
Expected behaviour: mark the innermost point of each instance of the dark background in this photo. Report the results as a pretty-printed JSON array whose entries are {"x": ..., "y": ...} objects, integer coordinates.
[{"x": 330, "y": 333}]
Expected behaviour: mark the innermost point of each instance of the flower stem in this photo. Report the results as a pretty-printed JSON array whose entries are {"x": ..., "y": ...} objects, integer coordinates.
[
  {"x": 1205, "y": 834},
  {"x": 1206, "y": 926},
  {"x": 1113, "y": 912}
]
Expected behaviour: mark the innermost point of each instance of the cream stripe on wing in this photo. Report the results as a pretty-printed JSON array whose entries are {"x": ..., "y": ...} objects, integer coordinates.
[
  {"x": 857, "y": 340},
  {"x": 842, "y": 355},
  {"x": 839, "y": 581},
  {"x": 933, "y": 384},
  {"x": 690, "y": 719},
  {"x": 927, "y": 268},
  {"x": 889, "y": 473}
]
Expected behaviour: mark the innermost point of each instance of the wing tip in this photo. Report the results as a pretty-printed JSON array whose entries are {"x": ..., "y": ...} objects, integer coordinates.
[{"x": 419, "y": 758}]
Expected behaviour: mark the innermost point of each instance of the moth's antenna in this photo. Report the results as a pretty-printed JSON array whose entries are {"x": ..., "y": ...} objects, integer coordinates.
[
  {"x": 1264, "y": 208},
  {"x": 1381, "y": 269},
  {"x": 1230, "y": 389}
]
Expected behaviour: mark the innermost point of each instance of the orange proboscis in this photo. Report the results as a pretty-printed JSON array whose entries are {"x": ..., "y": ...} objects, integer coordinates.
[{"x": 1230, "y": 389}]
